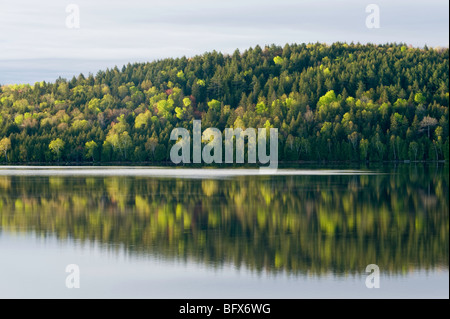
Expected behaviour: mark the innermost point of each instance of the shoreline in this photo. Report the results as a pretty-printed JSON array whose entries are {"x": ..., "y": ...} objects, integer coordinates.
[{"x": 168, "y": 164}]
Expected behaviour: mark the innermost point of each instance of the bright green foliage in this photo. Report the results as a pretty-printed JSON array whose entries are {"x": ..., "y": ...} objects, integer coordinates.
[
  {"x": 94, "y": 105},
  {"x": 179, "y": 113},
  {"x": 90, "y": 149},
  {"x": 142, "y": 119},
  {"x": 327, "y": 99},
  {"x": 165, "y": 108},
  {"x": 187, "y": 102},
  {"x": 56, "y": 146},
  {"x": 261, "y": 108},
  {"x": 5, "y": 146},
  {"x": 18, "y": 119},
  {"x": 278, "y": 60},
  {"x": 339, "y": 102},
  {"x": 419, "y": 98},
  {"x": 180, "y": 75},
  {"x": 214, "y": 105},
  {"x": 79, "y": 125}
]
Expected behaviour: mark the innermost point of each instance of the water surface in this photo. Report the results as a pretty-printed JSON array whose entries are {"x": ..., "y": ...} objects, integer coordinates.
[{"x": 183, "y": 233}]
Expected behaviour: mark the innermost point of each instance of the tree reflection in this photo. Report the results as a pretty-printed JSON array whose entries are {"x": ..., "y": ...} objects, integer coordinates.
[{"x": 297, "y": 224}]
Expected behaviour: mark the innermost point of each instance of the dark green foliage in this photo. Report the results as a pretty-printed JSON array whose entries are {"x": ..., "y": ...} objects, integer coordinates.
[{"x": 335, "y": 103}]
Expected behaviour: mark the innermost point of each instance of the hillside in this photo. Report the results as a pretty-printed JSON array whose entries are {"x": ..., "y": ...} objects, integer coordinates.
[{"x": 335, "y": 102}]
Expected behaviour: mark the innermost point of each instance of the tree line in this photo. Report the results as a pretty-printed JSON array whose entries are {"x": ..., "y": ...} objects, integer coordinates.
[{"x": 339, "y": 102}]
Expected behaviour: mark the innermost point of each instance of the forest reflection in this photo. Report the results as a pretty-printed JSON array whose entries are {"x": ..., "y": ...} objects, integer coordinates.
[{"x": 296, "y": 224}]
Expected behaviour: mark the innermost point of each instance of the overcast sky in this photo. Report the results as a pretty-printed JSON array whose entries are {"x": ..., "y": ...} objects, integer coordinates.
[{"x": 36, "y": 44}]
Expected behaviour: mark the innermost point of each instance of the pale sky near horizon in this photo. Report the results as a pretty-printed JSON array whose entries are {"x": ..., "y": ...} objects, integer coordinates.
[{"x": 36, "y": 45}]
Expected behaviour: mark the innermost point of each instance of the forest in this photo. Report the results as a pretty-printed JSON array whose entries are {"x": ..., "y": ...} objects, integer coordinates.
[{"x": 339, "y": 102}]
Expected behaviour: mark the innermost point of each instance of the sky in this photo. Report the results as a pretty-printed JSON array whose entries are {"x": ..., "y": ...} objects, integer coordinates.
[{"x": 36, "y": 43}]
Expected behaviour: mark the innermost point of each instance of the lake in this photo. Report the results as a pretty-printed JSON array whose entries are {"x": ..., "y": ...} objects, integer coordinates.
[{"x": 139, "y": 232}]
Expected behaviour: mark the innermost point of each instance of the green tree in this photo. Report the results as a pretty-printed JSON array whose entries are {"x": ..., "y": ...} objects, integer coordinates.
[
  {"x": 364, "y": 148},
  {"x": 165, "y": 108},
  {"x": 419, "y": 98},
  {"x": 90, "y": 148},
  {"x": 5, "y": 146},
  {"x": 57, "y": 146},
  {"x": 278, "y": 60}
]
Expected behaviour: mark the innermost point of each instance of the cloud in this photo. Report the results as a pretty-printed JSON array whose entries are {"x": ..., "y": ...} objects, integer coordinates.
[{"x": 117, "y": 32}]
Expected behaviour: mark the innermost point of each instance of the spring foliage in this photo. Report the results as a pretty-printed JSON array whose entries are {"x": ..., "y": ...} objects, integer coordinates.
[{"x": 335, "y": 102}]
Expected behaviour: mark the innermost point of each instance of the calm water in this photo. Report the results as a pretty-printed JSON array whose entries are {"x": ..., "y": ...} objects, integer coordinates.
[{"x": 166, "y": 233}]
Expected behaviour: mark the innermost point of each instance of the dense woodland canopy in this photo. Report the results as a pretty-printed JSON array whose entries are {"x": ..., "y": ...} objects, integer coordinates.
[{"x": 335, "y": 102}]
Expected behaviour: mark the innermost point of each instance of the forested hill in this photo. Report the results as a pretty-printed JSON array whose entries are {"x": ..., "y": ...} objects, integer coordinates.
[{"x": 335, "y": 102}]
